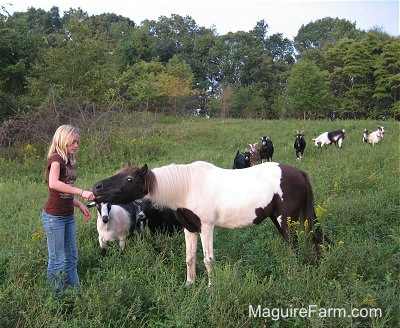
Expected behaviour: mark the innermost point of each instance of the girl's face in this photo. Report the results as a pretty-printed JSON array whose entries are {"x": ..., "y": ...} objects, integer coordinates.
[{"x": 73, "y": 146}]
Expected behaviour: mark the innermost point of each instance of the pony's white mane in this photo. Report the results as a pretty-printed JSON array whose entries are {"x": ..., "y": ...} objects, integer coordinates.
[{"x": 175, "y": 182}]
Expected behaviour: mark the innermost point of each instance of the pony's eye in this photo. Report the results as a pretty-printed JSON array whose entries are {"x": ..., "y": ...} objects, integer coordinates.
[{"x": 129, "y": 179}]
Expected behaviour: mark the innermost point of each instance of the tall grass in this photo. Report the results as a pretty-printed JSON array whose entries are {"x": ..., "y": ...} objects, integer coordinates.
[{"x": 357, "y": 199}]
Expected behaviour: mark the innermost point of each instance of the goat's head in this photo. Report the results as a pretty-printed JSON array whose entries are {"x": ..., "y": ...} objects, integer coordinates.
[
  {"x": 247, "y": 155},
  {"x": 103, "y": 210},
  {"x": 264, "y": 140},
  {"x": 299, "y": 138},
  {"x": 253, "y": 147},
  {"x": 381, "y": 129}
]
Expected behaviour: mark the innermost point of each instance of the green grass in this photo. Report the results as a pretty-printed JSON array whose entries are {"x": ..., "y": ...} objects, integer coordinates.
[{"x": 356, "y": 193}]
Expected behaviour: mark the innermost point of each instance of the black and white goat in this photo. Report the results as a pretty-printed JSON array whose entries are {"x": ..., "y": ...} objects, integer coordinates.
[
  {"x": 241, "y": 160},
  {"x": 157, "y": 219},
  {"x": 374, "y": 137},
  {"x": 114, "y": 223},
  {"x": 365, "y": 135},
  {"x": 328, "y": 138},
  {"x": 267, "y": 149},
  {"x": 299, "y": 144}
]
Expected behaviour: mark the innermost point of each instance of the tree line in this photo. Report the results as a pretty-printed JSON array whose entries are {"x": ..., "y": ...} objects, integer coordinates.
[{"x": 330, "y": 68}]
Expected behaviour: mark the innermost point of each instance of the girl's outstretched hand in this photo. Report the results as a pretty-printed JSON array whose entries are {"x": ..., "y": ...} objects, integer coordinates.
[{"x": 88, "y": 195}]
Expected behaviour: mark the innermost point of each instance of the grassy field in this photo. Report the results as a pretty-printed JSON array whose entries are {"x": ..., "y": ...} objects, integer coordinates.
[{"x": 356, "y": 192}]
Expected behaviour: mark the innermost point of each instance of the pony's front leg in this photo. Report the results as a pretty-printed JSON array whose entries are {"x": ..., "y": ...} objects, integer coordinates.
[
  {"x": 191, "y": 250},
  {"x": 207, "y": 239}
]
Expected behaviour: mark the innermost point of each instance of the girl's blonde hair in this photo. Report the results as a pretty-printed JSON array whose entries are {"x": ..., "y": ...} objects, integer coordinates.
[{"x": 64, "y": 135}]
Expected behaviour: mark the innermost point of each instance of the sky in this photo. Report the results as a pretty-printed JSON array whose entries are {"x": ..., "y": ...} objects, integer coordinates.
[{"x": 282, "y": 16}]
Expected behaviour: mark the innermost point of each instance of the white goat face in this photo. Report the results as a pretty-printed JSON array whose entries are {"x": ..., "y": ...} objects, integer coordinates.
[{"x": 103, "y": 210}]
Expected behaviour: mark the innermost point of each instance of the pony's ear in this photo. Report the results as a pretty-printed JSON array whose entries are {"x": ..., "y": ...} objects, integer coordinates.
[
  {"x": 129, "y": 163},
  {"x": 143, "y": 170}
]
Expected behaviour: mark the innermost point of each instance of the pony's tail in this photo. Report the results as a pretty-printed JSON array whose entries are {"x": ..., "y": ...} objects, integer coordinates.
[{"x": 319, "y": 238}]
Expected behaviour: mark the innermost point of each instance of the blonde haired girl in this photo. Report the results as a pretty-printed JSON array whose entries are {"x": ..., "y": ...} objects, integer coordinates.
[{"x": 58, "y": 213}]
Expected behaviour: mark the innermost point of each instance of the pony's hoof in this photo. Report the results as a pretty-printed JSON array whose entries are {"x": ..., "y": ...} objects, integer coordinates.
[{"x": 189, "y": 284}]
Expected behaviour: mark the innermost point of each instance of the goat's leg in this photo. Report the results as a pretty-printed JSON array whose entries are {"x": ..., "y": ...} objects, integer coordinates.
[
  {"x": 102, "y": 243},
  {"x": 207, "y": 237},
  {"x": 122, "y": 244},
  {"x": 191, "y": 250}
]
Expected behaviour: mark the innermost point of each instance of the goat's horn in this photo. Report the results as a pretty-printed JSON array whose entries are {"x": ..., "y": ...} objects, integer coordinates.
[{"x": 91, "y": 204}]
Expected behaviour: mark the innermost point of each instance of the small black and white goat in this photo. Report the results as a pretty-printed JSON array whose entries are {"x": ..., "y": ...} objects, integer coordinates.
[
  {"x": 299, "y": 144},
  {"x": 328, "y": 138},
  {"x": 267, "y": 149},
  {"x": 115, "y": 223},
  {"x": 374, "y": 137},
  {"x": 241, "y": 160}
]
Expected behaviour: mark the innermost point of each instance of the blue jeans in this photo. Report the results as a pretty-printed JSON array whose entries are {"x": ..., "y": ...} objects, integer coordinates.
[{"x": 62, "y": 250}]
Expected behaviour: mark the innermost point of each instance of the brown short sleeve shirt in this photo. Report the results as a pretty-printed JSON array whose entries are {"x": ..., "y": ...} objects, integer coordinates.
[{"x": 59, "y": 203}]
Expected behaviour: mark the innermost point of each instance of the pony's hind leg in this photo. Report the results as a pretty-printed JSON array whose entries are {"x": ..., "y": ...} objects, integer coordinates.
[
  {"x": 206, "y": 236},
  {"x": 287, "y": 227},
  {"x": 278, "y": 223},
  {"x": 191, "y": 250}
]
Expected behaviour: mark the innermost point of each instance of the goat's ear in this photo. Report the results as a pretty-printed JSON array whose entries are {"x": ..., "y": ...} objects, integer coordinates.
[{"x": 143, "y": 170}]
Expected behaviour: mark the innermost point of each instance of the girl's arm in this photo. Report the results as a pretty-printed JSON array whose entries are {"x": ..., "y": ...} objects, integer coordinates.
[{"x": 56, "y": 184}]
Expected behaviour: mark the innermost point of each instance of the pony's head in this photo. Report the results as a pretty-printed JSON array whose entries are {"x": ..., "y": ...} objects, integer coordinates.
[{"x": 129, "y": 184}]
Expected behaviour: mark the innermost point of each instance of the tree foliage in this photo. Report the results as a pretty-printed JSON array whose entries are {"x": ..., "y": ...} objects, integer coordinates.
[
  {"x": 173, "y": 64},
  {"x": 307, "y": 91}
]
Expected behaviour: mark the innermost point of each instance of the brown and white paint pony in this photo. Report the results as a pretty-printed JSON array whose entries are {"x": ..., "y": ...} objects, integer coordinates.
[{"x": 205, "y": 196}]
